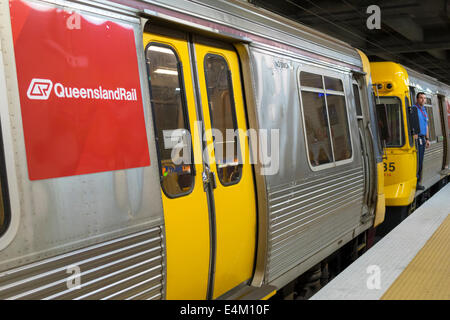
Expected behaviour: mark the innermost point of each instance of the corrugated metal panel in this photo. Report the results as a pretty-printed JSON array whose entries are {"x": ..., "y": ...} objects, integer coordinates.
[
  {"x": 306, "y": 217},
  {"x": 436, "y": 150},
  {"x": 129, "y": 267},
  {"x": 256, "y": 22},
  {"x": 432, "y": 161}
]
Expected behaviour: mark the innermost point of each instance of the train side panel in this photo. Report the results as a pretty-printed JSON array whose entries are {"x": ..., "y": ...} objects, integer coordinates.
[
  {"x": 318, "y": 192},
  {"x": 435, "y": 154},
  {"x": 376, "y": 150},
  {"x": 310, "y": 207},
  {"x": 106, "y": 227}
]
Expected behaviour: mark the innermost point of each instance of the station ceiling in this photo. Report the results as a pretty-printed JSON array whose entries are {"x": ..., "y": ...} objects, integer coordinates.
[{"x": 415, "y": 33}]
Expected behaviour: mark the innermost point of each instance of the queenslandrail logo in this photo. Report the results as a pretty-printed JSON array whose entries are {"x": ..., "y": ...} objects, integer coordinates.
[{"x": 40, "y": 89}]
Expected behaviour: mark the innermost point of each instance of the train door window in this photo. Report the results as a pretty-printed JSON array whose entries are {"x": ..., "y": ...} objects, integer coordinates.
[
  {"x": 3, "y": 217},
  {"x": 431, "y": 128},
  {"x": 381, "y": 134},
  {"x": 171, "y": 121},
  {"x": 5, "y": 212},
  {"x": 408, "y": 122},
  {"x": 389, "y": 114},
  {"x": 223, "y": 119},
  {"x": 412, "y": 95},
  {"x": 317, "y": 130},
  {"x": 429, "y": 108},
  {"x": 337, "y": 112},
  {"x": 357, "y": 100},
  {"x": 339, "y": 127}
]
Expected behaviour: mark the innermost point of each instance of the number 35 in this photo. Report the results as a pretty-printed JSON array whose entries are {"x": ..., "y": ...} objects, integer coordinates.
[{"x": 391, "y": 166}]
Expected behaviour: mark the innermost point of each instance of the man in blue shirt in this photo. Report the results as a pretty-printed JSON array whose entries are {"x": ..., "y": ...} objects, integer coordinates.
[{"x": 423, "y": 137}]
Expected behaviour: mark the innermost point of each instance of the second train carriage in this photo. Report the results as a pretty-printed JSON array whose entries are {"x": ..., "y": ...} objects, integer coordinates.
[
  {"x": 396, "y": 88},
  {"x": 125, "y": 219}
]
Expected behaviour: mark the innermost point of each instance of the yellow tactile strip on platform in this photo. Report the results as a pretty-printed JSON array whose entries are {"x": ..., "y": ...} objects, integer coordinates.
[{"x": 427, "y": 276}]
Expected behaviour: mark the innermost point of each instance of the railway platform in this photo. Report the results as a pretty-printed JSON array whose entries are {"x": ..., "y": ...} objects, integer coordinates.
[{"x": 412, "y": 262}]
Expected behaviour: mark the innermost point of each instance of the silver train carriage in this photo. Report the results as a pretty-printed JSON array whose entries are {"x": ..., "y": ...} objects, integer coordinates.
[
  {"x": 436, "y": 161},
  {"x": 125, "y": 222}
]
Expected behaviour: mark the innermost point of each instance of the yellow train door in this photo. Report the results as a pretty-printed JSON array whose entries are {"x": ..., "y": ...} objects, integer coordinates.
[
  {"x": 186, "y": 215},
  {"x": 209, "y": 202},
  {"x": 234, "y": 195}
]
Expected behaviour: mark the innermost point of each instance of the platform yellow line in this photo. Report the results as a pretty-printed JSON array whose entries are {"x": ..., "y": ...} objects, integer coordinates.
[{"x": 427, "y": 276}]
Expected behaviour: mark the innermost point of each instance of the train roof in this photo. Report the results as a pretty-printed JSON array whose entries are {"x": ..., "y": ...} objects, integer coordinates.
[
  {"x": 250, "y": 23},
  {"x": 426, "y": 83}
]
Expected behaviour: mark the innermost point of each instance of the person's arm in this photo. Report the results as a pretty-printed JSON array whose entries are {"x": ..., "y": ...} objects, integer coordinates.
[{"x": 427, "y": 137}]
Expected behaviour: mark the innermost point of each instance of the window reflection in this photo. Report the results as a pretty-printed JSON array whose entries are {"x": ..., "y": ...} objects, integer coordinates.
[
  {"x": 171, "y": 122},
  {"x": 223, "y": 117},
  {"x": 390, "y": 121},
  {"x": 326, "y": 122}
]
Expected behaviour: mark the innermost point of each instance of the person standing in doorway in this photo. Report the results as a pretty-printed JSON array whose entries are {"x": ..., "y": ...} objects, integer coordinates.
[{"x": 423, "y": 137}]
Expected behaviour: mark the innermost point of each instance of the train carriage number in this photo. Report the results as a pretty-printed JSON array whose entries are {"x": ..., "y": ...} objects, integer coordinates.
[{"x": 390, "y": 167}]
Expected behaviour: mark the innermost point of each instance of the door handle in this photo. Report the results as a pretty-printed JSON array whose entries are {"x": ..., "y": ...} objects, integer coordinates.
[
  {"x": 212, "y": 178},
  {"x": 205, "y": 178},
  {"x": 209, "y": 177},
  {"x": 363, "y": 147}
]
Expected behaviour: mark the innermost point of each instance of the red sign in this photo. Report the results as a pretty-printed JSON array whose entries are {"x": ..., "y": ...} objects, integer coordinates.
[{"x": 80, "y": 93}]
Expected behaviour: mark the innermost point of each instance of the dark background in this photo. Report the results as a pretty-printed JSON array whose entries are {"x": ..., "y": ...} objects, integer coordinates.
[{"x": 415, "y": 33}]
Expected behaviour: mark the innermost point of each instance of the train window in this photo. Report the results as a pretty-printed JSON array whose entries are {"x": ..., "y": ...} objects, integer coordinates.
[
  {"x": 3, "y": 220},
  {"x": 311, "y": 80},
  {"x": 389, "y": 113},
  {"x": 408, "y": 122},
  {"x": 171, "y": 120},
  {"x": 357, "y": 99},
  {"x": 380, "y": 134},
  {"x": 333, "y": 84},
  {"x": 337, "y": 112},
  {"x": 316, "y": 123},
  {"x": 412, "y": 95},
  {"x": 326, "y": 122},
  {"x": 431, "y": 128},
  {"x": 5, "y": 212},
  {"x": 223, "y": 118}
]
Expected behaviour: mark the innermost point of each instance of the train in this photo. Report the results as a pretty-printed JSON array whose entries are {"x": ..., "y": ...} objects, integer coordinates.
[
  {"x": 175, "y": 149},
  {"x": 396, "y": 88}
]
